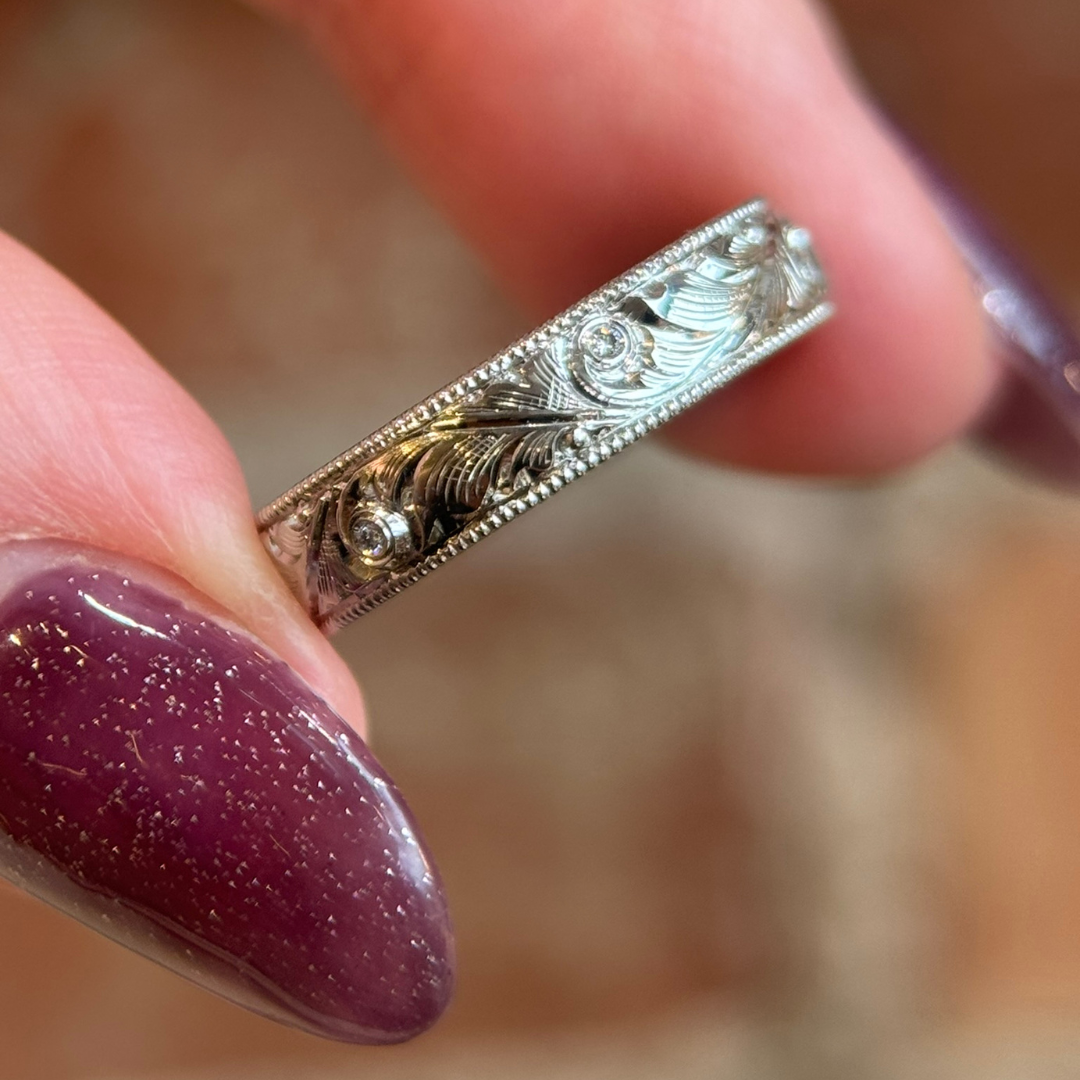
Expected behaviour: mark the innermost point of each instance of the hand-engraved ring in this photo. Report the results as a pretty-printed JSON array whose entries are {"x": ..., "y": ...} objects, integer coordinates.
[{"x": 505, "y": 436}]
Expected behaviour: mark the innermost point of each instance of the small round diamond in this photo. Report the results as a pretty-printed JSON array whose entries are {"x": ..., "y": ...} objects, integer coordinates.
[
  {"x": 606, "y": 342},
  {"x": 798, "y": 239},
  {"x": 379, "y": 535},
  {"x": 754, "y": 233},
  {"x": 372, "y": 538}
]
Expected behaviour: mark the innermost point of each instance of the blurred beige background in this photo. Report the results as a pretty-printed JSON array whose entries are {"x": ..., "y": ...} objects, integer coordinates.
[{"x": 786, "y": 787}]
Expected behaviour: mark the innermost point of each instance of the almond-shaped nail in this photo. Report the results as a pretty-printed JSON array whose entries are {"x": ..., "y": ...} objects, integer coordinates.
[
  {"x": 1036, "y": 418},
  {"x": 169, "y": 782}
]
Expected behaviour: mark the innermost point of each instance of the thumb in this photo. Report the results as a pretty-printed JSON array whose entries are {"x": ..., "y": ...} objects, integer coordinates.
[{"x": 177, "y": 765}]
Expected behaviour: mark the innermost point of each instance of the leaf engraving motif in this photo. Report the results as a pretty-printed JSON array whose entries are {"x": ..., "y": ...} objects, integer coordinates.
[{"x": 548, "y": 412}]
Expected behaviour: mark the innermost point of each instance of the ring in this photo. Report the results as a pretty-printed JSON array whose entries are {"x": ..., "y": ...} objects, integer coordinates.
[{"x": 504, "y": 437}]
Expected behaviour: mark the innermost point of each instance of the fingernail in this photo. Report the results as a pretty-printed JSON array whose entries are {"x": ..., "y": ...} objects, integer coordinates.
[
  {"x": 1035, "y": 420},
  {"x": 168, "y": 782}
]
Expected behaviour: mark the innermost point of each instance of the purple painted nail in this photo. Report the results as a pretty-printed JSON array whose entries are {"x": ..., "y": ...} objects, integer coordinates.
[
  {"x": 169, "y": 783},
  {"x": 1036, "y": 418}
]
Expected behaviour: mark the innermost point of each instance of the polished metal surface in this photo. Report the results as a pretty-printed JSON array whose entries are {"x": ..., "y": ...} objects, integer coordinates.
[{"x": 504, "y": 437}]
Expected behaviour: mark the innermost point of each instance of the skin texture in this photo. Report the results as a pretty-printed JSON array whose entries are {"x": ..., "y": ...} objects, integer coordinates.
[
  {"x": 144, "y": 471},
  {"x": 569, "y": 139}
]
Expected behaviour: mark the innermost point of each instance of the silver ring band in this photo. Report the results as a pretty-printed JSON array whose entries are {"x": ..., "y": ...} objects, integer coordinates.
[{"x": 505, "y": 436}]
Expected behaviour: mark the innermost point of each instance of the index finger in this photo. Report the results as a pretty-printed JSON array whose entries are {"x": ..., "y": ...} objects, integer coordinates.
[{"x": 569, "y": 139}]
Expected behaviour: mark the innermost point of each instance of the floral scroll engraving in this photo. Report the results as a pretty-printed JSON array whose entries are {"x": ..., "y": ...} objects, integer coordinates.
[{"x": 501, "y": 439}]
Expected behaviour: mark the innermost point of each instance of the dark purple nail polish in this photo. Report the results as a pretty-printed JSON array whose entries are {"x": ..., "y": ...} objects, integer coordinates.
[
  {"x": 169, "y": 783},
  {"x": 1036, "y": 418}
]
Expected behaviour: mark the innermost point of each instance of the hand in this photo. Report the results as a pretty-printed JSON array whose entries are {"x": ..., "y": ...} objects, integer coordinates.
[{"x": 566, "y": 147}]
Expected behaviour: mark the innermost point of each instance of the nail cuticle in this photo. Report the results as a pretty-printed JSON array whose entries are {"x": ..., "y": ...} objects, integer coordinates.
[{"x": 167, "y": 780}]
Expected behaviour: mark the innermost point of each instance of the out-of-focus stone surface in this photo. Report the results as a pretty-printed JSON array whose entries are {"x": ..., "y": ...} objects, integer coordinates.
[{"x": 714, "y": 794}]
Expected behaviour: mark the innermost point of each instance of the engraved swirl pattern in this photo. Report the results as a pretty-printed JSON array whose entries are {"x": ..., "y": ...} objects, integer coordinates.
[{"x": 506, "y": 436}]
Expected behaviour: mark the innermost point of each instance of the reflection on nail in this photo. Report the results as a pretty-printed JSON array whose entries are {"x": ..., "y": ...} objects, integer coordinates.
[
  {"x": 1036, "y": 419},
  {"x": 167, "y": 781},
  {"x": 1072, "y": 374}
]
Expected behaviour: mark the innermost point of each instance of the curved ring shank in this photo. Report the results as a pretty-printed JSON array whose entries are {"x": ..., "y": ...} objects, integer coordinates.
[{"x": 504, "y": 437}]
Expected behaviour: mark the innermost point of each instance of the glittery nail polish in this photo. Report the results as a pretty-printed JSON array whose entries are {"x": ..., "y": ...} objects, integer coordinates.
[
  {"x": 1035, "y": 420},
  {"x": 167, "y": 781}
]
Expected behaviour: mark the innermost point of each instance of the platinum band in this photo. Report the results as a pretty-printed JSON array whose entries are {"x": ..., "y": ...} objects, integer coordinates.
[{"x": 507, "y": 435}]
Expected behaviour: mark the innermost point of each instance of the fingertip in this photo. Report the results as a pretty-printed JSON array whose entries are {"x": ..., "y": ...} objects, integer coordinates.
[
  {"x": 101, "y": 447},
  {"x": 805, "y": 413},
  {"x": 569, "y": 141},
  {"x": 905, "y": 365}
]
